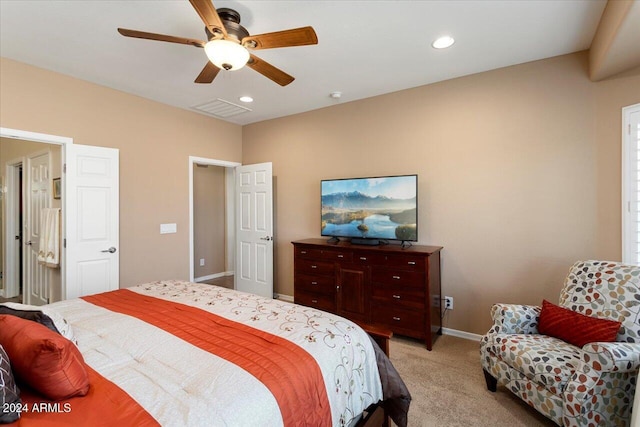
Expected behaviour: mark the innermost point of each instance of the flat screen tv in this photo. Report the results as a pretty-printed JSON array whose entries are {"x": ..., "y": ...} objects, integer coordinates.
[{"x": 371, "y": 210}]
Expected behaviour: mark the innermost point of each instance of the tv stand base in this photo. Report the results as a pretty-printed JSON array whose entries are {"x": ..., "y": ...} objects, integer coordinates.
[{"x": 368, "y": 242}]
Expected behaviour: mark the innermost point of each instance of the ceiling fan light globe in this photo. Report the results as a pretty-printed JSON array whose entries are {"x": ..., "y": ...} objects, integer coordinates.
[{"x": 226, "y": 55}]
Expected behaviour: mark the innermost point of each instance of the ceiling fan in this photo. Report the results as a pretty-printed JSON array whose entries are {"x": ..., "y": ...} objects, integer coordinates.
[{"x": 228, "y": 43}]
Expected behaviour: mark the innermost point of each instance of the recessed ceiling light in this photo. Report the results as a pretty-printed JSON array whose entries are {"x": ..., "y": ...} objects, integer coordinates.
[
  {"x": 443, "y": 42},
  {"x": 246, "y": 99}
]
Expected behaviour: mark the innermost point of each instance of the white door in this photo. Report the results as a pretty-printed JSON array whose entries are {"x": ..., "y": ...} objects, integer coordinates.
[
  {"x": 37, "y": 197},
  {"x": 254, "y": 229},
  {"x": 92, "y": 220}
]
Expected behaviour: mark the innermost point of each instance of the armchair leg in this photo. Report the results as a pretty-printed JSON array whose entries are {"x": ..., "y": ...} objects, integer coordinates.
[{"x": 491, "y": 382}]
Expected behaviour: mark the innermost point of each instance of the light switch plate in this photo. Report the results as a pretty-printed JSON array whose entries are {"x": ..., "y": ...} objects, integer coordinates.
[{"x": 168, "y": 228}]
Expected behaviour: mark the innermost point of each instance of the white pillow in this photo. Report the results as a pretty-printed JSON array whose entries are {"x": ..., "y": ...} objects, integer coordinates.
[{"x": 60, "y": 322}]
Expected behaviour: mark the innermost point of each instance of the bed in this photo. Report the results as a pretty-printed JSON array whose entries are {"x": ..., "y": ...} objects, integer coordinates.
[{"x": 175, "y": 353}]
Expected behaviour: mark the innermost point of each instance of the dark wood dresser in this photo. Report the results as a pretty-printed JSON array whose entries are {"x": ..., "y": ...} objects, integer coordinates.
[{"x": 385, "y": 286}]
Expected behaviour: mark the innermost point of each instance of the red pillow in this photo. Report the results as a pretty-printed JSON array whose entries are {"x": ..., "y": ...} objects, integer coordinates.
[
  {"x": 46, "y": 361},
  {"x": 575, "y": 328}
]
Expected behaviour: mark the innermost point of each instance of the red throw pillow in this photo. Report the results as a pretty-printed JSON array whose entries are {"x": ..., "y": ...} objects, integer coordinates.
[
  {"x": 575, "y": 328},
  {"x": 46, "y": 361}
]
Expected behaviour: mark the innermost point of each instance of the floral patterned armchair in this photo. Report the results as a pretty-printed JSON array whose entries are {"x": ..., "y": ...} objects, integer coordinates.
[{"x": 589, "y": 386}]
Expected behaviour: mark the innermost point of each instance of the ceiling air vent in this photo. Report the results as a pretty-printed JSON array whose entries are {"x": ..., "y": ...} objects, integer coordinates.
[{"x": 221, "y": 108}]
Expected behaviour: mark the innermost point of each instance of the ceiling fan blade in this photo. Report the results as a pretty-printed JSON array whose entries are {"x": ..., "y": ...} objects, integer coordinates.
[
  {"x": 269, "y": 71},
  {"x": 296, "y": 37},
  {"x": 160, "y": 37},
  {"x": 208, "y": 73},
  {"x": 209, "y": 16}
]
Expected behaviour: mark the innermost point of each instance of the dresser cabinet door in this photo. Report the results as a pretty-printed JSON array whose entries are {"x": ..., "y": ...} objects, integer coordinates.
[{"x": 353, "y": 292}]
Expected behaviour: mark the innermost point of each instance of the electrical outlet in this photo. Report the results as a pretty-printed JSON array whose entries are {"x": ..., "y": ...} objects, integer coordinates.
[
  {"x": 201, "y": 262},
  {"x": 448, "y": 303}
]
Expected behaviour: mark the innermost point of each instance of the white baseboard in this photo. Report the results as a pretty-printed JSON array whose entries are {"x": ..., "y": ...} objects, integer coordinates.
[
  {"x": 461, "y": 334},
  {"x": 213, "y": 276},
  {"x": 287, "y": 298}
]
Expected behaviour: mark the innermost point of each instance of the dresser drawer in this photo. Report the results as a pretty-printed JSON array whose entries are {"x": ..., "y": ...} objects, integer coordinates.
[
  {"x": 368, "y": 258},
  {"x": 406, "y": 262},
  {"x": 402, "y": 321},
  {"x": 313, "y": 283},
  {"x": 394, "y": 277},
  {"x": 399, "y": 296},
  {"x": 304, "y": 252},
  {"x": 319, "y": 301},
  {"x": 323, "y": 254},
  {"x": 307, "y": 266},
  {"x": 337, "y": 255}
]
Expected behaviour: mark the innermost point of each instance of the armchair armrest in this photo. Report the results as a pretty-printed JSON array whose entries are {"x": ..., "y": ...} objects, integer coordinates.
[
  {"x": 611, "y": 357},
  {"x": 603, "y": 367},
  {"x": 514, "y": 319}
]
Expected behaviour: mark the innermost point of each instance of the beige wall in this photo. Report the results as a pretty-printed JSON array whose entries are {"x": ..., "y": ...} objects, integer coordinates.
[
  {"x": 519, "y": 169},
  {"x": 155, "y": 142},
  {"x": 209, "y": 226},
  {"x": 519, "y": 174}
]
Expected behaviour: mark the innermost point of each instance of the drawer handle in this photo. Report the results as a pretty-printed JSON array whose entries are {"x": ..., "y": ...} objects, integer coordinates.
[
  {"x": 314, "y": 266},
  {"x": 396, "y": 318},
  {"x": 363, "y": 258},
  {"x": 303, "y": 252},
  {"x": 340, "y": 256},
  {"x": 314, "y": 283},
  {"x": 396, "y": 296},
  {"x": 315, "y": 301},
  {"x": 396, "y": 277},
  {"x": 411, "y": 262}
]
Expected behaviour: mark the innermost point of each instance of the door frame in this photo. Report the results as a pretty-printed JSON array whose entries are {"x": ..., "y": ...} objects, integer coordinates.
[
  {"x": 11, "y": 252},
  {"x": 629, "y": 189},
  {"x": 230, "y": 207},
  {"x": 63, "y": 141}
]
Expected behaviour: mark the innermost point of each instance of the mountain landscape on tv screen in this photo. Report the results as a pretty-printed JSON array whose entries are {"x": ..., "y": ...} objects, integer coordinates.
[
  {"x": 358, "y": 200},
  {"x": 355, "y": 214}
]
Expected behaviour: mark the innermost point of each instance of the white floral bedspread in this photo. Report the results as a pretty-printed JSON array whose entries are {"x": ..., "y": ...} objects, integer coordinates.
[{"x": 171, "y": 380}]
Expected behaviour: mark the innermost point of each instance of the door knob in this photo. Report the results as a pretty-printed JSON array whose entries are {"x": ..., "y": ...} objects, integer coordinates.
[
  {"x": 266, "y": 238},
  {"x": 29, "y": 243},
  {"x": 110, "y": 250}
]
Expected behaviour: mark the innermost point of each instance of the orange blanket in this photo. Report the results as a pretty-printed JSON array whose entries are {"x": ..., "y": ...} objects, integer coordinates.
[{"x": 288, "y": 371}]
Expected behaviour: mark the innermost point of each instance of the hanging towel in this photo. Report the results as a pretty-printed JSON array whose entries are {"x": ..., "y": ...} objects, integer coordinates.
[{"x": 49, "y": 249}]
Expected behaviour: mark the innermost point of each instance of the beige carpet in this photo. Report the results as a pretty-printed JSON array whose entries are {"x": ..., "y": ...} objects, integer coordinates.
[{"x": 448, "y": 387}]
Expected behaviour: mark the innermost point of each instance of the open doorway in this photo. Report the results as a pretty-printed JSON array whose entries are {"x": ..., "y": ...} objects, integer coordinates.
[
  {"x": 212, "y": 221},
  {"x": 29, "y": 170},
  {"x": 249, "y": 221}
]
